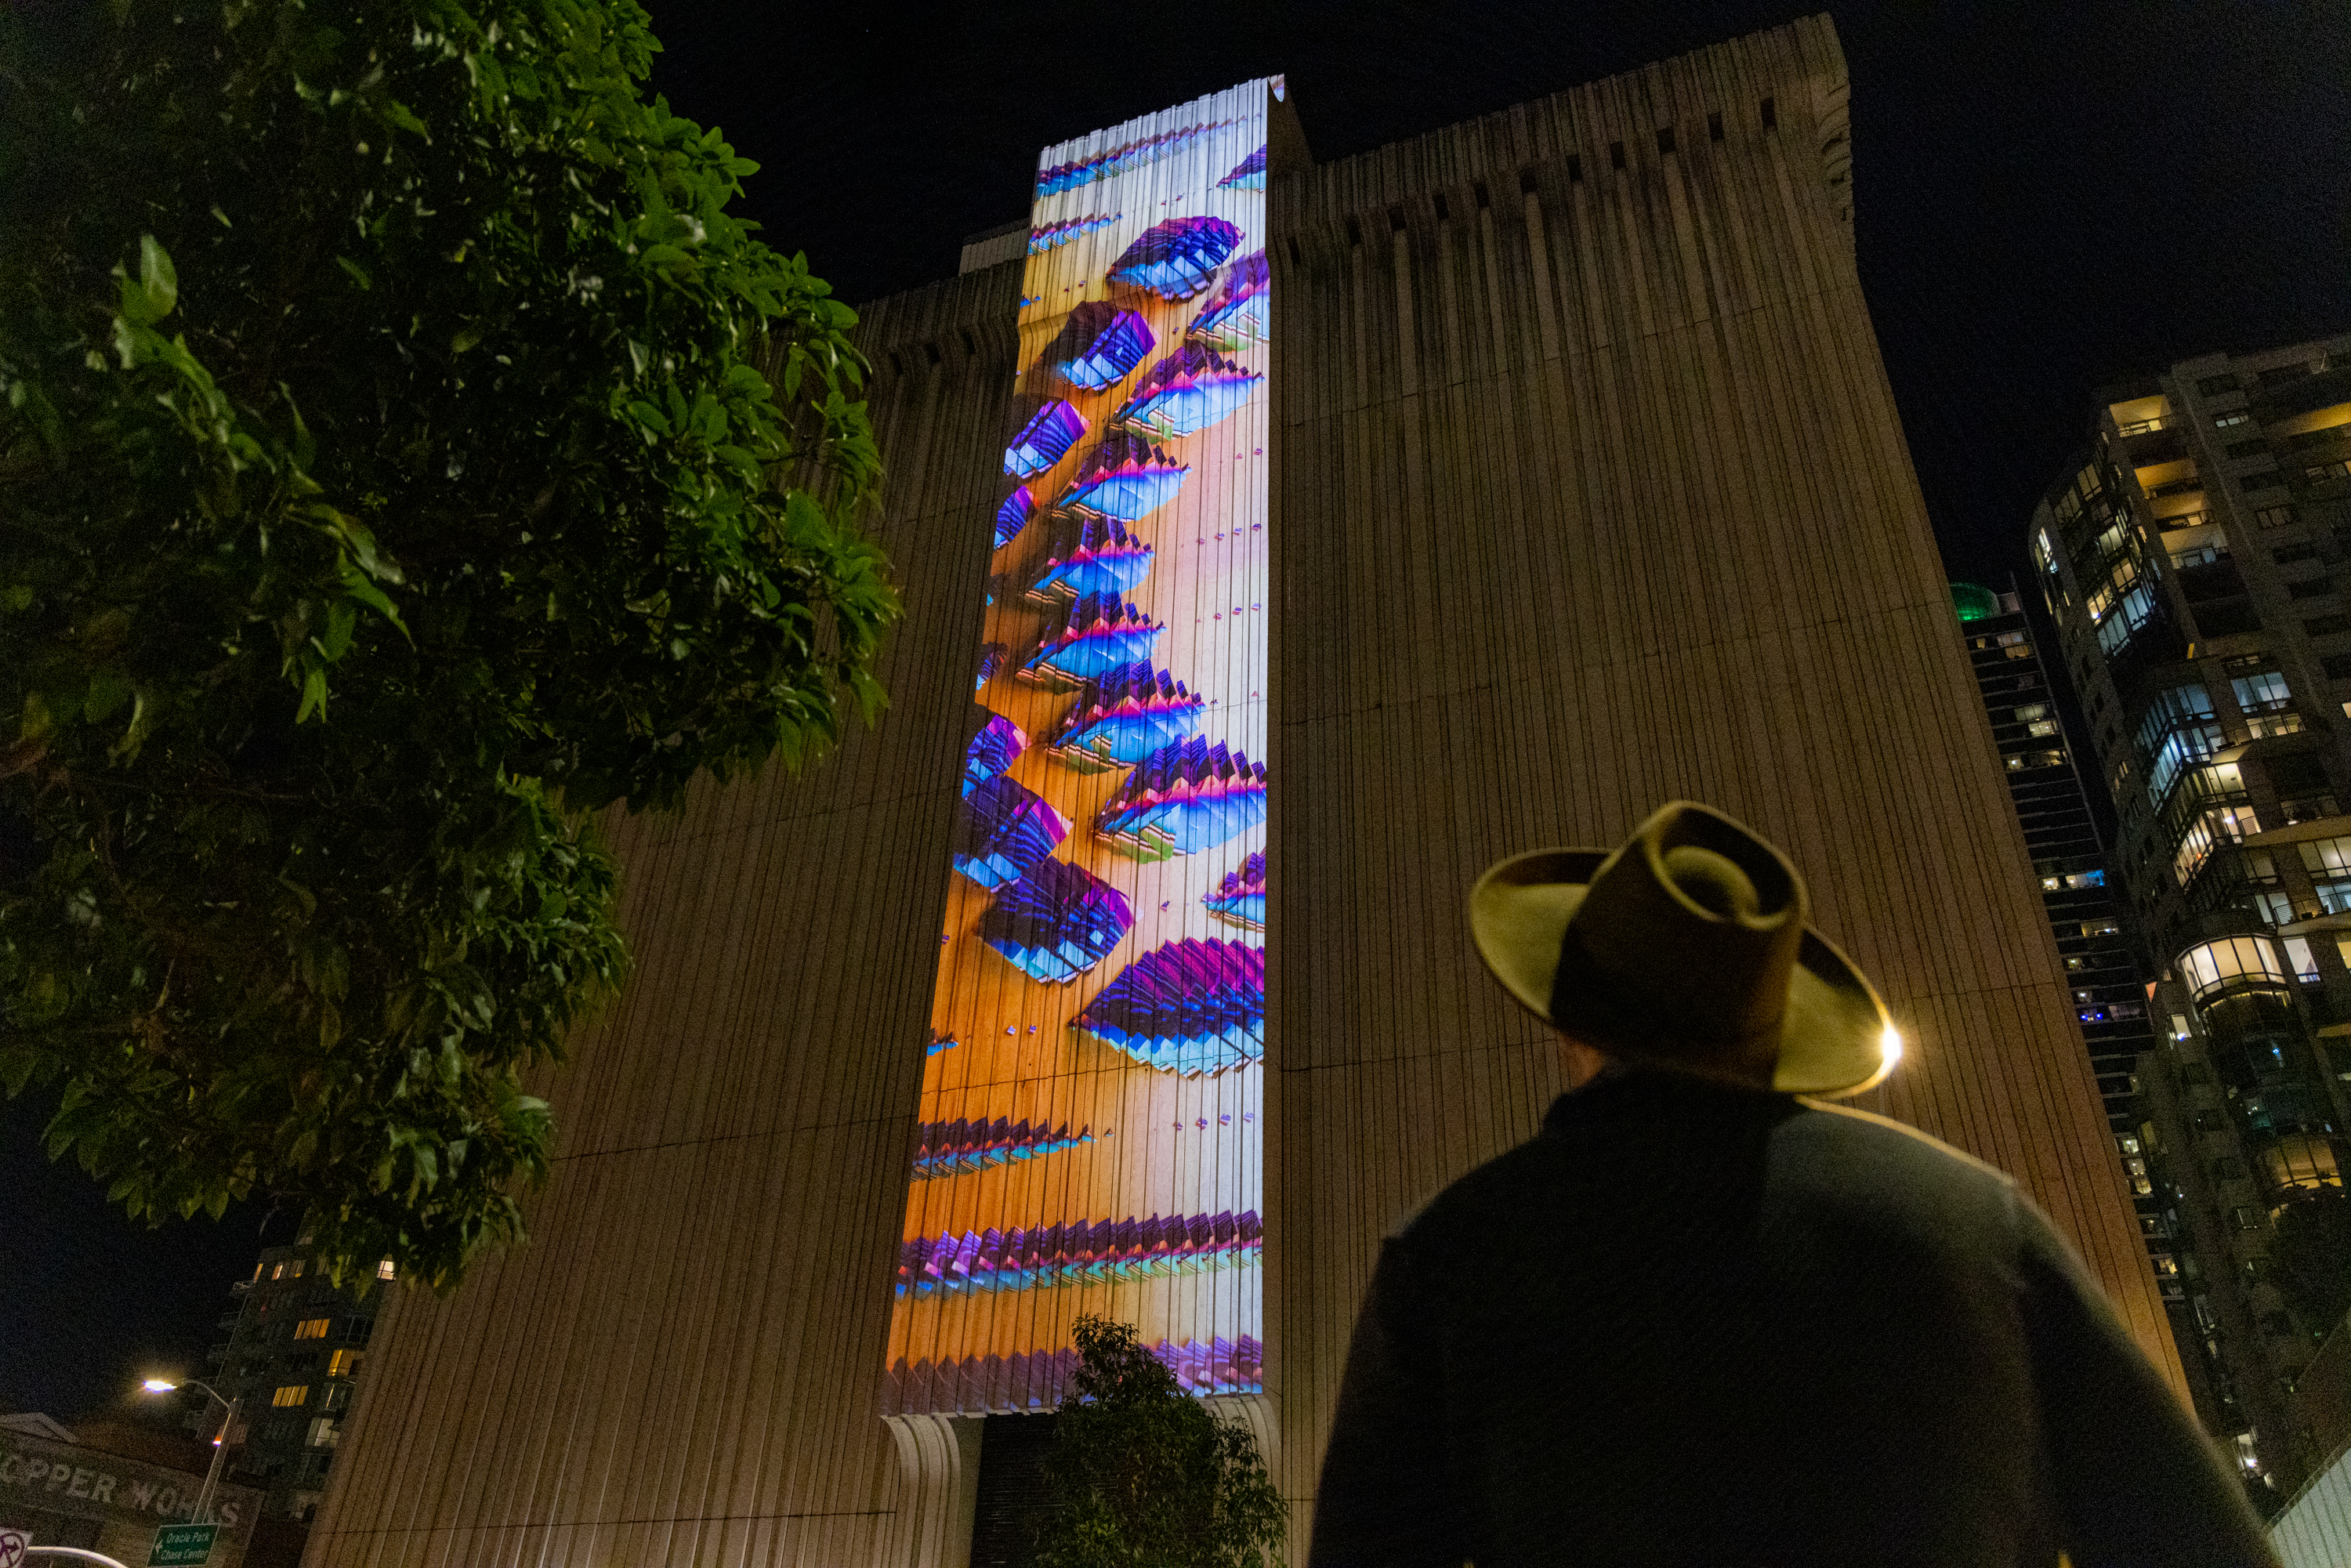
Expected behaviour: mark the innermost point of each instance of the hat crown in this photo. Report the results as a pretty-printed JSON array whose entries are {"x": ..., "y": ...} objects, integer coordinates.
[
  {"x": 1690, "y": 946},
  {"x": 1712, "y": 882},
  {"x": 1685, "y": 942}
]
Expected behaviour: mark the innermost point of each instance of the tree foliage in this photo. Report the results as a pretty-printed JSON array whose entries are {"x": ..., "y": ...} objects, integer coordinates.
[
  {"x": 388, "y": 483},
  {"x": 1147, "y": 1477}
]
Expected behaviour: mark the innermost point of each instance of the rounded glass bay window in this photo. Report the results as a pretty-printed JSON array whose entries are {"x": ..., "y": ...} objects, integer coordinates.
[
  {"x": 2261, "y": 1055},
  {"x": 2299, "y": 1166},
  {"x": 2231, "y": 963}
]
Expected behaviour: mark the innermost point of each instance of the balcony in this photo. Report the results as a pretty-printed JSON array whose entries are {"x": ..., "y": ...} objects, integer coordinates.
[{"x": 2308, "y": 809}]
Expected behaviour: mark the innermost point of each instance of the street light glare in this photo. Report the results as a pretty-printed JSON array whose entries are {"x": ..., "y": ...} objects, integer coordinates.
[{"x": 159, "y": 1385}]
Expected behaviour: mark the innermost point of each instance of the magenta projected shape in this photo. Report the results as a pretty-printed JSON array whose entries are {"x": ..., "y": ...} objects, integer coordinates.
[
  {"x": 1044, "y": 440},
  {"x": 1189, "y": 1007},
  {"x": 1055, "y": 922}
]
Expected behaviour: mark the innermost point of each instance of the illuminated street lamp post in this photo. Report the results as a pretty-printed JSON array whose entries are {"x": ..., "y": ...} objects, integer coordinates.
[{"x": 220, "y": 1443}]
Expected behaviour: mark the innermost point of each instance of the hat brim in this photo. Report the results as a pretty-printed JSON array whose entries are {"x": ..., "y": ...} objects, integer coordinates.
[{"x": 1835, "y": 1036}]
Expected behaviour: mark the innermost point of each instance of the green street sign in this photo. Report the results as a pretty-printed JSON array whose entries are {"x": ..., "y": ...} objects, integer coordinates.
[{"x": 182, "y": 1545}]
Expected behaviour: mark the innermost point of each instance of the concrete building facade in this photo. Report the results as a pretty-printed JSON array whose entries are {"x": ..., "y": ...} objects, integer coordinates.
[{"x": 1585, "y": 491}]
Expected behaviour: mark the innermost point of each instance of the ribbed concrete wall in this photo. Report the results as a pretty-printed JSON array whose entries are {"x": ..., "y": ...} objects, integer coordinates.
[
  {"x": 684, "y": 1366},
  {"x": 1590, "y": 493}
]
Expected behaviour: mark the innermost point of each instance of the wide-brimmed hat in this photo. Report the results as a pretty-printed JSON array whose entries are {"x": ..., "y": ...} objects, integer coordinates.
[{"x": 1687, "y": 946}]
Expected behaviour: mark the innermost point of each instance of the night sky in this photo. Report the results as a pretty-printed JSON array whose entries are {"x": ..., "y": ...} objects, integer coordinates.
[{"x": 2046, "y": 197}]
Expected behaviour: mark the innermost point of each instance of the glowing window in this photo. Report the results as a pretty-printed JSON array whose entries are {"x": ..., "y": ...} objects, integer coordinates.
[
  {"x": 2135, "y": 609},
  {"x": 2326, "y": 857},
  {"x": 2300, "y": 1162},
  {"x": 2209, "y": 965},
  {"x": 343, "y": 1362},
  {"x": 383, "y": 1270},
  {"x": 312, "y": 1328},
  {"x": 2298, "y": 954},
  {"x": 2180, "y": 727},
  {"x": 2260, "y": 693},
  {"x": 291, "y": 1394}
]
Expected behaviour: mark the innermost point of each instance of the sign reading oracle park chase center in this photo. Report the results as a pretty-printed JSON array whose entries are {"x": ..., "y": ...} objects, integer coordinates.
[
  {"x": 182, "y": 1546},
  {"x": 59, "y": 1478},
  {"x": 1090, "y": 1138}
]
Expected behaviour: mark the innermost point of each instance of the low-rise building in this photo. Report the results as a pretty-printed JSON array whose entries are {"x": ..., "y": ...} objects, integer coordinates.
[{"x": 67, "y": 1494}]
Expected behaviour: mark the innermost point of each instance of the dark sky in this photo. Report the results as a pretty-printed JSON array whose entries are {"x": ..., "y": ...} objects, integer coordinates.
[{"x": 2047, "y": 196}]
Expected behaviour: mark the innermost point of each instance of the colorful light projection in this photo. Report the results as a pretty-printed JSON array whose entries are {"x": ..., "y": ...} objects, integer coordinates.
[{"x": 1092, "y": 1143}]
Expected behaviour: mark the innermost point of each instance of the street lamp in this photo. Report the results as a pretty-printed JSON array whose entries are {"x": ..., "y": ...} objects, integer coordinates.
[{"x": 220, "y": 1442}]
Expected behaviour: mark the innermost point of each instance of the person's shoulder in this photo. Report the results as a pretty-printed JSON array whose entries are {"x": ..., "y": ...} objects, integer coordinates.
[
  {"x": 1489, "y": 1189},
  {"x": 1856, "y": 1160},
  {"x": 1883, "y": 1137}
]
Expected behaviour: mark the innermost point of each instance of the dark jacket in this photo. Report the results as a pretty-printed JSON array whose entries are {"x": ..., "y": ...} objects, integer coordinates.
[{"x": 1701, "y": 1325}]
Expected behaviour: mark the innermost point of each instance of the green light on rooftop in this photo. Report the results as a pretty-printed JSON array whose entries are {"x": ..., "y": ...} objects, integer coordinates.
[{"x": 1974, "y": 603}]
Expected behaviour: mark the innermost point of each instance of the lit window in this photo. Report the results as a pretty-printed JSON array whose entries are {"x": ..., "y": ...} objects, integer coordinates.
[
  {"x": 383, "y": 1270},
  {"x": 2328, "y": 862},
  {"x": 294, "y": 1269},
  {"x": 2301, "y": 1163},
  {"x": 2209, "y": 965},
  {"x": 2135, "y": 609},
  {"x": 312, "y": 1328},
  {"x": 2262, "y": 692},
  {"x": 2298, "y": 955},
  {"x": 2218, "y": 825},
  {"x": 2180, "y": 727},
  {"x": 343, "y": 1362},
  {"x": 278, "y": 1272},
  {"x": 2231, "y": 421},
  {"x": 291, "y": 1394}
]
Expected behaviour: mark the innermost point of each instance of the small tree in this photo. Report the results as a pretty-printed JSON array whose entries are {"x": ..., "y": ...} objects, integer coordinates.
[
  {"x": 388, "y": 482},
  {"x": 1147, "y": 1477}
]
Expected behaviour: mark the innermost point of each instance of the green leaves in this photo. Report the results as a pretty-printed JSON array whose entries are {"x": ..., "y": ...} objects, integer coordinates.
[
  {"x": 1144, "y": 1474},
  {"x": 151, "y": 298},
  {"x": 438, "y": 520}
]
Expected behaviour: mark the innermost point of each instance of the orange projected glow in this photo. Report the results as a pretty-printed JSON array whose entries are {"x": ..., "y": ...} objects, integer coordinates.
[{"x": 1091, "y": 1139}]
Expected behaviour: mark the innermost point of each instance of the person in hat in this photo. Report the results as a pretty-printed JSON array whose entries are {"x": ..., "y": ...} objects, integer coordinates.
[{"x": 1705, "y": 1319}]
